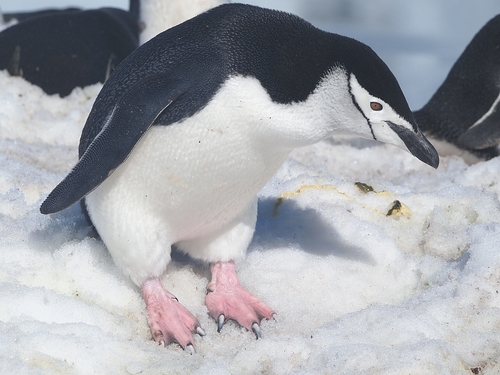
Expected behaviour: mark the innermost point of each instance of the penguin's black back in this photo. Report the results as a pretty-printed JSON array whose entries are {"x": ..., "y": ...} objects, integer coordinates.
[
  {"x": 59, "y": 51},
  {"x": 286, "y": 54}
]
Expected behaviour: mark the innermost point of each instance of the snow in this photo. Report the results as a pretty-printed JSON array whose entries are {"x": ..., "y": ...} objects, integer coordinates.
[{"x": 356, "y": 291}]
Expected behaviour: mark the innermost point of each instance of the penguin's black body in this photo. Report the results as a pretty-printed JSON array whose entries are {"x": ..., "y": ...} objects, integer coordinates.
[
  {"x": 465, "y": 110},
  {"x": 61, "y": 50},
  {"x": 193, "y": 124}
]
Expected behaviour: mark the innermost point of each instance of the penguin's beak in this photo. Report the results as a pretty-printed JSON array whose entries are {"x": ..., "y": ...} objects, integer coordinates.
[{"x": 417, "y": 144}]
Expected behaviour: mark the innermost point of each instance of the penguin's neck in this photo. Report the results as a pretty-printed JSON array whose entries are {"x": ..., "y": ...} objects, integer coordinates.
[{"x": 158, "y": 16}]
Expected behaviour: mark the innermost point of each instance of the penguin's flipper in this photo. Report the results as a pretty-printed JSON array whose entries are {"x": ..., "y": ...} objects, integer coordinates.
[
  {"x": 131, "y": 117},
  {"x": 484, "y": 134}
]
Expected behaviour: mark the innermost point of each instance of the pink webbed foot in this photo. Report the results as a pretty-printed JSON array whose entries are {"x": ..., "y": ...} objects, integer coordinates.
[
  {"x": 226, "y": 299},
  {"x": 169, "y": 321}
]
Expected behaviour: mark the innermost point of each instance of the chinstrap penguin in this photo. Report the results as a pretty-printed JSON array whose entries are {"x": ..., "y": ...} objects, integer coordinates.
[
  {"x": 59, "y": 50},
  {"x": 193, "y": 124},
  {"x": 465, "y": 110}
]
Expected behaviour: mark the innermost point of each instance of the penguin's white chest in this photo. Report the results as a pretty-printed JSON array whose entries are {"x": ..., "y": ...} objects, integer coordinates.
[{"x": 192, "y": 178}]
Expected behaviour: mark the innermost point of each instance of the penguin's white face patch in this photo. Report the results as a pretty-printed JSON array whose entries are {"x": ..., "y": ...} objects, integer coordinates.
[{"x": 378, "y": 114}]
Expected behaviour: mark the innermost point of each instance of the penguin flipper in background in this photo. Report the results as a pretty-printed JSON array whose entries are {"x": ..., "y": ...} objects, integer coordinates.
[
  {"x": 463, "y": 111},
  {"x": 486, "y": 132},
  {"x": 127, "y": 122}
]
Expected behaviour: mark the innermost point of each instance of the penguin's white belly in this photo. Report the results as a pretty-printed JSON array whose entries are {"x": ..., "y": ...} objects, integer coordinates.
[
  {"x": 185, "y": 181},
  {"x": 196, "y": 181}
]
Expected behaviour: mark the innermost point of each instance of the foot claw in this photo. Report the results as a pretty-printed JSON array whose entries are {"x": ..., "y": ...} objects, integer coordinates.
[
  {"x": 256, "y": 330},
  {"x": 220, "y": 322},
  {"x": 200, "y": 331},
  {"x": 227, "y": 299},
  {"x": 169, "y": 321},
  {"x": 190, "y": 349}
]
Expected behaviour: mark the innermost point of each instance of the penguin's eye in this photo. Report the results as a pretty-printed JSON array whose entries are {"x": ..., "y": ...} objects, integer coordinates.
[{"x": 376, "y": 106}]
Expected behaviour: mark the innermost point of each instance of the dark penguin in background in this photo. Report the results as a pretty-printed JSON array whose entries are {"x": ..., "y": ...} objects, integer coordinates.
[
  {"x": 465, "y": 110},
  {"x": 193, "y": 124},
  {"x": 61, "y": 50},
  {"x": 23, "y": 16}
]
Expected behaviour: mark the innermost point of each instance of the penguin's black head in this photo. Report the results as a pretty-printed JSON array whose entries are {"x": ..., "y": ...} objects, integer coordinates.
[{"x": 378, "y": 97}]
